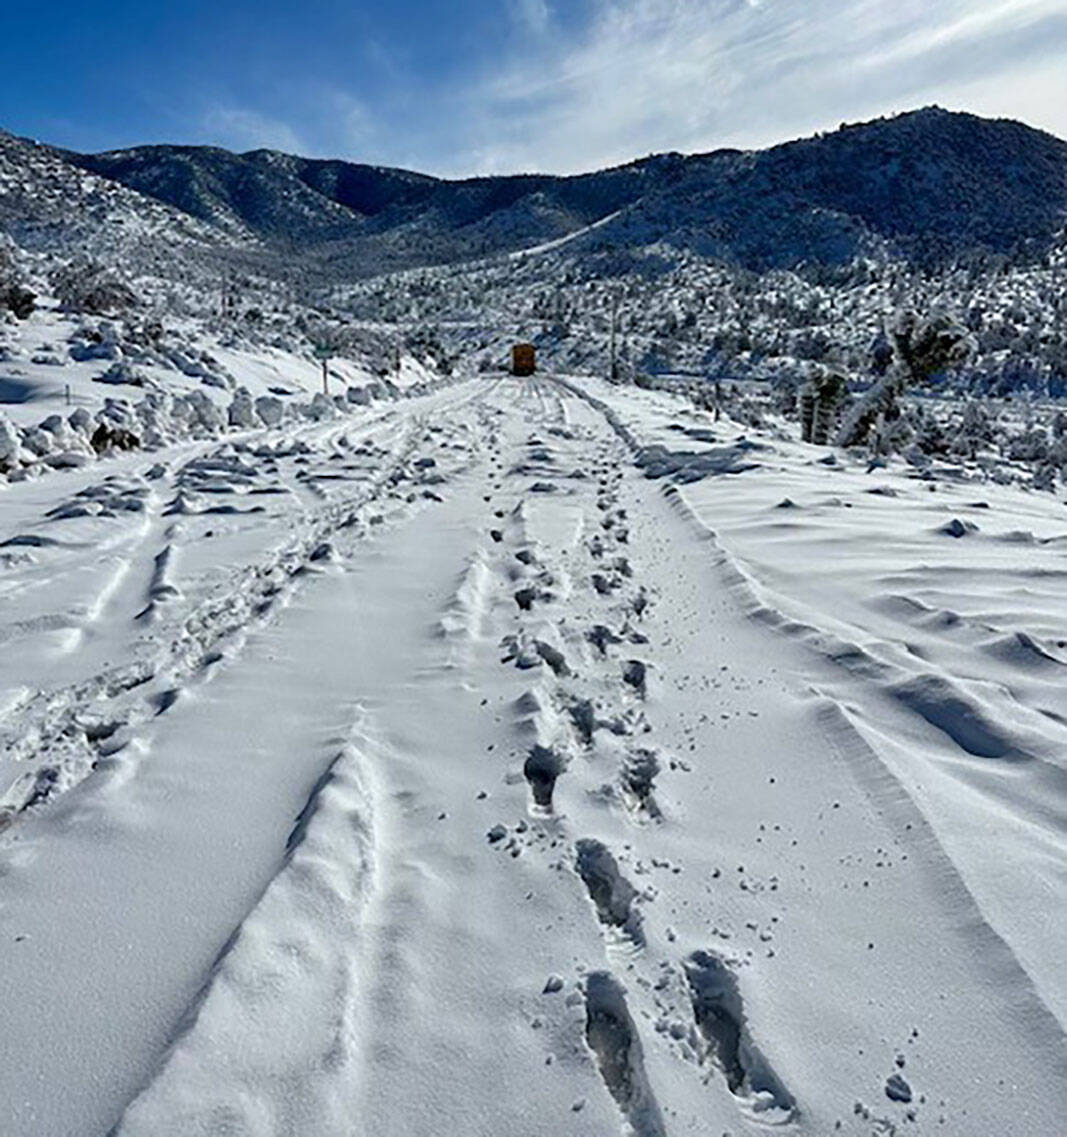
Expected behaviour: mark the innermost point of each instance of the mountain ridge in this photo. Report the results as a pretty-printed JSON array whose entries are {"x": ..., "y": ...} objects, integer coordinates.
[{"x": 924, "y": 186}]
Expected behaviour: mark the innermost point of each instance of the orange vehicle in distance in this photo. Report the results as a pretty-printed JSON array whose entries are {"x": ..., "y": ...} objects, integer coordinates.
[{"x": 523, "y": 359}]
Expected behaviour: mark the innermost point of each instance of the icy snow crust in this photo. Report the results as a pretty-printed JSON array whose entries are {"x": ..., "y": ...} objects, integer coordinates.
[{"x": 526, "y": 757}]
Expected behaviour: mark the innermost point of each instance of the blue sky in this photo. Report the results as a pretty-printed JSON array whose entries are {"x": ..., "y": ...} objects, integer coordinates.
[{"x": 472, "y": 86}]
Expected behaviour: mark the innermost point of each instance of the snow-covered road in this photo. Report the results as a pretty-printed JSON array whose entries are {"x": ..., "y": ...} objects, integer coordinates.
[{"x": 422, "y": 772}]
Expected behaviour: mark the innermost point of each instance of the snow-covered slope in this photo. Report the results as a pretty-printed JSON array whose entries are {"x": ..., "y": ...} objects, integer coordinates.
[
  {"x": 48, "y": 204},
  {"x": 74, "y": 387},
  {"x": 783, "y": 261}
]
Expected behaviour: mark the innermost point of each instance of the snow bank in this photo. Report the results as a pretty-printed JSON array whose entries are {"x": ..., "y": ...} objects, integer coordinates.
[{"x": 163, "y": 419}]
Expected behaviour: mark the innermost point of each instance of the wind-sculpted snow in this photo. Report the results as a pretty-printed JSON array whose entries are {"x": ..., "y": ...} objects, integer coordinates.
[{"x": 953, "y": 644}]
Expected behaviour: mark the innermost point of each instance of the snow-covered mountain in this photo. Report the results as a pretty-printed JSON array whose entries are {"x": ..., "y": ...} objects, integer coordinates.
[
  {"x": 926, "y": 187},
  {"x": 786, "y": 258},
  {"x": 930, "y": 185},
  {"x": 779, "y": 265}
]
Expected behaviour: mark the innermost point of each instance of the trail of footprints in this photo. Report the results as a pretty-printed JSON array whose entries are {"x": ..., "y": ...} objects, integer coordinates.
[{"x": 592, "y": 682}]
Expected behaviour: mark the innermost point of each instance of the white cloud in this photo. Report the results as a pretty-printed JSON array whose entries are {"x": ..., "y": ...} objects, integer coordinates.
[
  {"x": 531, "y": 16},
  {"x": 648, "y": 75},
  {"x": 239, "y": 129},
  {"x": 975, "y": 25},
  {"x": 329, "y": 123},
  {"x": 585, "y": 84}
]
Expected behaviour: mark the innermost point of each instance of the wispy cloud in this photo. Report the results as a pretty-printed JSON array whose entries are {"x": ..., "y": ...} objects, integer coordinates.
[
  {"x": 644, "y": 75},
  {"x": 985, "y": 23},
  {"x": 564, "y": 87},
  {"x": 531, "y": 16},
  {"x": 326, "y": 121},
  {"x": 504, "y": 85},
  {"x": 238, "y": 128}
]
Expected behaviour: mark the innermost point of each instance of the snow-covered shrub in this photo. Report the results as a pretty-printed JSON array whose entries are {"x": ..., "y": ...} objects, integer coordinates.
[
  {"x": 89, "y": 342},
  {"x": 121, "y": 373},
  {"x": 270, "y": 409},
  {"x": 1030, "y": 446},
  {"x": 975, "y": 430},
  {"x": 80, "y": 421},
  {"x": 322, "y": 407},
  {"x": 196, "y": 414},
  {"x": 1044, "y": 477},
  {"x": 929, "y": 434},
  {"x": 922, "y": 348},
  {"x": 86, "y": 286},
  {"x": 242, "y": 411},
  {"x": 205, "y": 368},
  {"x": 9, "y": 442},
  {"x": 14, "y": 296},
  {"x": 62, "y": 435},
  {"x": 821, "y": 401},
  {"x": 19, "y": 301},
  {"x": 107, "y": 437}
]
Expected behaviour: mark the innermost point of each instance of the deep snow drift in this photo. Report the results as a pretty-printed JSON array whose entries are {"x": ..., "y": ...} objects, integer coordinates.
[{"x": 528, "y": 757}]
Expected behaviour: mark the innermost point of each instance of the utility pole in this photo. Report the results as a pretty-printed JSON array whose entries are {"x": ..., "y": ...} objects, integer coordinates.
[{"x": 614, "y": 335}]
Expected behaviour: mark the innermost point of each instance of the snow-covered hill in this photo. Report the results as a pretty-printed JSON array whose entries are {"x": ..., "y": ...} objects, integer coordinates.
[
  {"x": 49, "y": 204},
  {"x": 764, "y": 263}
]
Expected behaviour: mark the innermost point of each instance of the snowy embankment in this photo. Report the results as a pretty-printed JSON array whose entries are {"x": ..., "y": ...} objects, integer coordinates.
[
  {"x": 424, "y": 770},
  {"x": 73, "y": 388},
  {"x": 939, "y": 599}
]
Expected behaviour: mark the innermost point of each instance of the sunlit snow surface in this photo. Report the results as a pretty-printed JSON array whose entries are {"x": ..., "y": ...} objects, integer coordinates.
[{"x": 527, "y": 757}]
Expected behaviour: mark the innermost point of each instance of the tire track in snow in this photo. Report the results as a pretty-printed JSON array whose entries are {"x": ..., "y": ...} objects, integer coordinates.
[
  {"x": 673, "y": 1035},
  {"x": 191, "y": 830},
  {"x": 269, "y": 1045},
  {"x": 97, "y": 717}
]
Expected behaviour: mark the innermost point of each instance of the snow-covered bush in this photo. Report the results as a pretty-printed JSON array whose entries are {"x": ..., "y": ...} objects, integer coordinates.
[
  {"x": 19, "y": 301},
  {"x": 122, "y": 373},
  {"x": 270, "y": 409},
  {"x": 242, "y": 411},
  {"x": 922, "y": 348},
  {"x": 15, "y": 298},
  {"x": 107, "y": 437},
  {"x": 9, "y": 442},
  {"x": 83, "y": 285}
]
